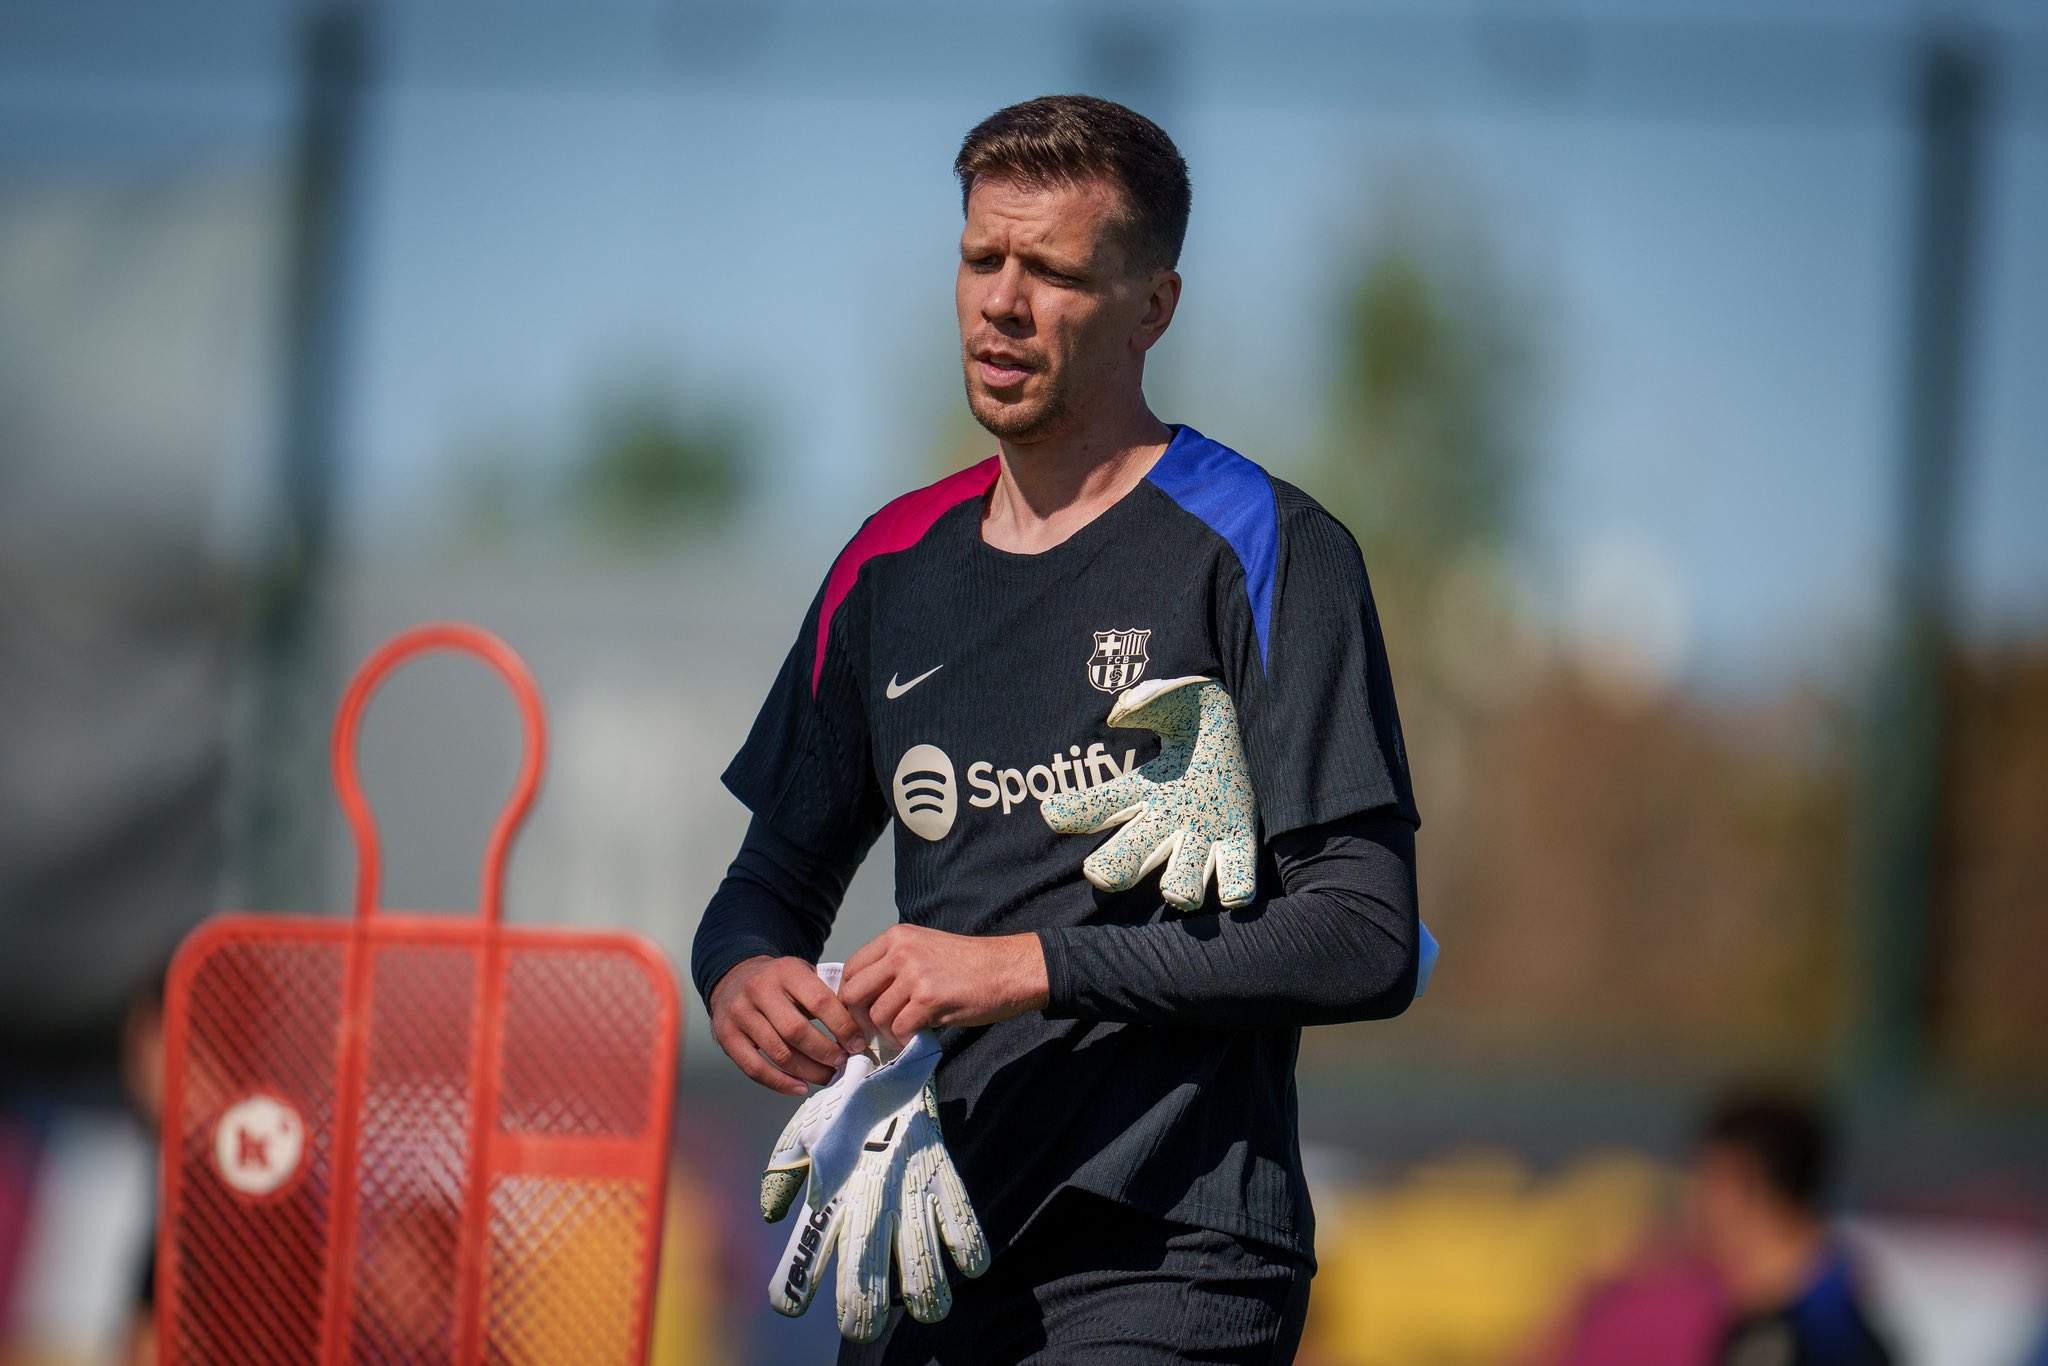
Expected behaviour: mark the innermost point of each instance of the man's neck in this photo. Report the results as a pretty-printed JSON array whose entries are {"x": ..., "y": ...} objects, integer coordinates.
[{"x": 1049, "y": 490}]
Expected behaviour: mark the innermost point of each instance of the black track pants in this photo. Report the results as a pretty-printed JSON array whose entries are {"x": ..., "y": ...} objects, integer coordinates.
[{"x": 1094, "y": 1283}]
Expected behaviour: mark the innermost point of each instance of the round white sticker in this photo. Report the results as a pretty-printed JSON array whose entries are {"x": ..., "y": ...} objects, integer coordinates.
[{"x": 259, "y": 1144}]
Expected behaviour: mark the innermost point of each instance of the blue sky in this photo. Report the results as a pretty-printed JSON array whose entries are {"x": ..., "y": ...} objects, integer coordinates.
[{"x": 756, "y": 202}]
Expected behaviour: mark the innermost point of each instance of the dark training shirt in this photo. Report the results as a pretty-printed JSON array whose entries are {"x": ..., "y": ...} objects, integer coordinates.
[
  {"x": 953, "y": 684},
  {"x": 1825, "y": 1326}
]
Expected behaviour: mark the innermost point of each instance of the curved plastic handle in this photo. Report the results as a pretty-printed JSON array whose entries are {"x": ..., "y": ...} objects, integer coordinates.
[{"x": 440, "y": 635}]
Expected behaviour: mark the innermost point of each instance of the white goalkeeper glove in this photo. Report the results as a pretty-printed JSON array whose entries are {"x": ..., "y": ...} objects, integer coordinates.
[
  {"x": 881, "y": 1183},
  {"x": 1189, "y": 808}
]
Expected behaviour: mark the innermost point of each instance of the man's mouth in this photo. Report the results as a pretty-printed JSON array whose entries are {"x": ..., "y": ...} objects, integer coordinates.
[{"x": 1000, "y": 371}]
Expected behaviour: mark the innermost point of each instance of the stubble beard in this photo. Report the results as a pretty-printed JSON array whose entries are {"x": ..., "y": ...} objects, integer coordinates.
[{"x": 1013, "y": 422}]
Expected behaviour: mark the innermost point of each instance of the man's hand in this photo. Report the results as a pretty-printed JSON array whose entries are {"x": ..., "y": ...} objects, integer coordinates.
[
  {"x": 909, "y": 978},
  {"x": 761, "y": 1014}
]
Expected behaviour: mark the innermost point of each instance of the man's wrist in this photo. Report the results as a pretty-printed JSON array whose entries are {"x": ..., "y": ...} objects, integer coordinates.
[{"x": 1029, "y": 986}]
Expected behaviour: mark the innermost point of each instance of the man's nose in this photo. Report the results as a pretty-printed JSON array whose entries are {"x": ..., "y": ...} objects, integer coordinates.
[{"x": 1005, "y": 300}]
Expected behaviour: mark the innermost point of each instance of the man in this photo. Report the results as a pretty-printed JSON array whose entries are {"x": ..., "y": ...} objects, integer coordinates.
[
  {"x": 1759, "y": 1181},
  {"x": 1117, "y": 1084}
]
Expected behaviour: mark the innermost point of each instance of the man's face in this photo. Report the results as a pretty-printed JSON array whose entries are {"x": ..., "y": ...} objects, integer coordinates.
[
  {"x": 1053, "y": 321},
  {"x": 1725, "y": 1195}
]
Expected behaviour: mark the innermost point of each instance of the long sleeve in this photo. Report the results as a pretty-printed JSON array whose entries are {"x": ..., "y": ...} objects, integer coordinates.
[
  {"x": 777, "y": 899},
  {"x": 1339, "y": 944},
  {"x": 804, "y": 773}
]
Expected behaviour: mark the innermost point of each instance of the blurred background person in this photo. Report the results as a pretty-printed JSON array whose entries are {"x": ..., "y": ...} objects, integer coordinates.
[{"x": 1760, "y": 1178}]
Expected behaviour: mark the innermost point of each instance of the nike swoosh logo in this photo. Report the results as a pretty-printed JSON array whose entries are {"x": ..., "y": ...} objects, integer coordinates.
[{"x": 896, "y": 690}]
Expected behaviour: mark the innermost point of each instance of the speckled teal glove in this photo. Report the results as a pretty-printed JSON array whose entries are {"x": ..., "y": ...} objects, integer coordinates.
[{"x": 1190, "y": 808}]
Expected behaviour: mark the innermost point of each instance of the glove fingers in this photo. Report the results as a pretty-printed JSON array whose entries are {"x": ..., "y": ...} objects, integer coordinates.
[
  {"x": 793, "y": 1156},
  {"x": 866, "y": 1245},
  {"x": 802, "y": 1265},
  {"x": 779, "y": 1187},
  {"x": 957, "y": 1221},
  {"x": 1237, "y": 870},
  {"x": 1083, "y": 811},
  {"x": 926, "y": 1294},
  {"x": 788, "y": 1164},
  {"x": 1186, "y": 870},
  {"x": 902, "y": 1207},
  {"x": 1130, "y": 854},
  {"x": 789, "y": 1144}
]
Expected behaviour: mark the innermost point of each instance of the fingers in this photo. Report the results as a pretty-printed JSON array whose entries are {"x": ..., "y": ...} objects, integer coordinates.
[
  {"x": 958, "y": 1223},
  {"x": 881, "y": 993},
  {"x": 912, "y": 978},
  {"x": 935, "y": 1213},
  {"x": 741, "y": 1024},
  {"x": 747, "y": 1057},
  {"x": 788, "y": 1163},
  {"x": 857, "y": 994},
  {"x": 902, "y": 1210},
  {"x": 892, "y": 1015},
  {"x": 826, "y": 1006},
  {"x": 1087, "y": 810},
  {"x": 865, "y": 1247},
  {"x": 797, "y": 1274},
  {"x": 862, "y": 983},
  {"x": 1187, "y": 867},
  {"x": 753, "y": 1046},
  {"x": 805, "y": 1040},
  {"x": 861, "y": 960},
  {"x": 764, "y": 1022},
  {"x": 1237, "y": 871},
  {"x": 1073, "y": 813},
  {"x": 773, "y": 1045},
  {"x": 779, "y": 1187},
  {"x": 863, "y": 977},
  {"x": 926, "y": 1294},
  {"x": 1129, "y": 854}
]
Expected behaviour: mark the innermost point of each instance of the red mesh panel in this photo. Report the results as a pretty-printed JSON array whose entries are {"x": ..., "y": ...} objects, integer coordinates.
[
  {"x": 579, "y": 1030},
  {"x": 246, "y": 1280},
  {"x": 414, "y": 1154},
  {"x": 564, "y": 1261},
  {"x": 563, "y": 1242},
  {"x": 404, "y": 1138}
]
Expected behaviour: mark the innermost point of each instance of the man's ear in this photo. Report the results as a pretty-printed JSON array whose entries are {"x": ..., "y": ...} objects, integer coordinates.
[{"x": 1162, "y": 298}]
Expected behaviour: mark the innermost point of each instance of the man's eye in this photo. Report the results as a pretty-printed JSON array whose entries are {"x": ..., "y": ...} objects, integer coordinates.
[{"x": 982, "y": 263}]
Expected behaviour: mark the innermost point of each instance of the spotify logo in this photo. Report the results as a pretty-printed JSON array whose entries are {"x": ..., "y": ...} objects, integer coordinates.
[{"x": 926, "y": 795}]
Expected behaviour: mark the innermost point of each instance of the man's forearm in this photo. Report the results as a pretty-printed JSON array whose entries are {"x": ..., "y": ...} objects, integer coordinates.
[{"x": 1338, "y": 945}]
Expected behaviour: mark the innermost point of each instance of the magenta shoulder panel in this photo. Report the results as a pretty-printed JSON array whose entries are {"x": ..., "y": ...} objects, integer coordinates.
[{"x": 899, "y": 526}]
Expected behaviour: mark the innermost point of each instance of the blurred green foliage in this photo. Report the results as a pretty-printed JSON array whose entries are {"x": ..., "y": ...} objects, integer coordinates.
[
  {"x": 645, "y": 464},
  {"x": 1613, "y": 873},
  {"x": 1426, "y": 449},
  {"x": 651, "y": 465}
]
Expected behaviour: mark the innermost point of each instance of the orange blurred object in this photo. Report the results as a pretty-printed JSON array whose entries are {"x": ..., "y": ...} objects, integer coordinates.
[{"x": 414, "y": 1137}]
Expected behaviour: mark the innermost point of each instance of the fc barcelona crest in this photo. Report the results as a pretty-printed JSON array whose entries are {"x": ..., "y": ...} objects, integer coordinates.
[{"x": 1119, "y": 659}]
